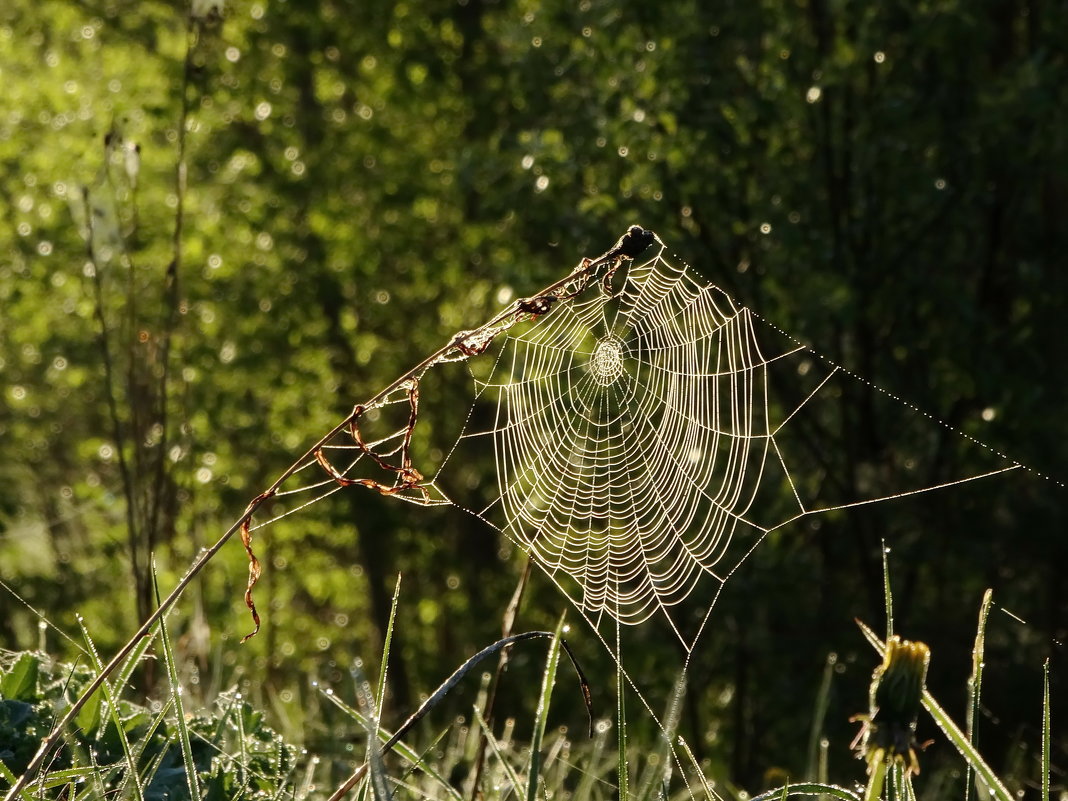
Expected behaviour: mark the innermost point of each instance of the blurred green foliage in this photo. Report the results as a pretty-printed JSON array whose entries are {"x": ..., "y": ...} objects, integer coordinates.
[{"x": 273, "y": 209}]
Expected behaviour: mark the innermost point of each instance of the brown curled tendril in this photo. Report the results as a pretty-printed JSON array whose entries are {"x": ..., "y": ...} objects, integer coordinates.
[{"x": 254, "y": 567}]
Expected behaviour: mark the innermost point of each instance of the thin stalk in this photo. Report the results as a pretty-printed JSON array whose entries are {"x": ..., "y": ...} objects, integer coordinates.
[
  {"x": 507, "y": 628},
  {"x": 819, "y": 716},
  {"x": 589, "y": 775},
  {"x": 541, "y": 716},
  {"x": 621, "y": 729},
  {"x": 1045, "y": 731},
  {"x": 451, "y": 351},
  {"x": 113, "y": 405},
  {"x": 171, "y": 284},
  {"x": 387, "y": 644},
  {"x": 509, "y": 771},
  {"x": 373, "y": 725},
  {"x": 975, "y": 684},
  {"x": 887, "y": 595},
  {"x": 416, "y": 761},
  {"x": 809, "y": 788},
  {"x": 191, "y": 777},
  {"x": 113, "y": 711},
  {"x": 710, "y": 792}
]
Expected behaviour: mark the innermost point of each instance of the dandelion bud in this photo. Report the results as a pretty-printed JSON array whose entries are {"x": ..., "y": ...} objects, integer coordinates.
[{"x": 889, "y": 733}]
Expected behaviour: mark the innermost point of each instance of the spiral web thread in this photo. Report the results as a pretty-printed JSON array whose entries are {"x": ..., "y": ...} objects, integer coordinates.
[{"x": 642, "y": 445}]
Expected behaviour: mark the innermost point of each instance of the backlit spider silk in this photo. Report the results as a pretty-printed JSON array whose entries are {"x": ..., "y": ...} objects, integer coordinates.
[
  {"x": 644, "y": 440},
  {"x": 647, "y": 433}
]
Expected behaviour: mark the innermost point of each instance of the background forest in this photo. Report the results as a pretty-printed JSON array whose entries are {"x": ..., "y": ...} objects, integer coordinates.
[{"x": 223, "y": 226}]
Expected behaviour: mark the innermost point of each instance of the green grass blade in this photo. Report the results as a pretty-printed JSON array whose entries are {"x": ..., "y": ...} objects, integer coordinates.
[
  {"x": 910, "y": 790},
  {"x": 873, "y": 790},
  {"x": 541, "y": 717},
  {"x": 281, "y": 778},
  {"x": 122, "y": 677},
  {"x": 589, "y": 775},
  {"x": 887, "y": 595},
  {"x": 491, "y": 741},
  {"x": 808, "y": 789},
  {"x": 156, "y": 763},
  {"x": 386, "y": 645},
  {"x": 443, "y": 689},
  {"x": 132, "y": 773},
  {"x": 146, "y": 739},
  {"x": 6, "y": 774},
  {"x": 892, "y": 787},
  {"x": 975, "y": 684},
  {"x": 971, "y": 756},
  {"x": 244, "y": 761},
  {"x": 949, "y": 728},
  {"x": 420, "y": 759},
  {"x": 379, "y": 781},
  {"x": 95, "y": 787},
  {"x": 819, "y": 715},
  {"x": 710, "y": 792},
  {"x": 657, "y": 774},
  {"x": 407, "y": 753},
  {"x": 1045, "y": 731},
  {"x": 222, "y": 719},
  {"x": 192, "y": 780},
  {"x": 51, "y": 780},
  {"x": 11, "y": 778},
  {"x": 621, "y": 734}
]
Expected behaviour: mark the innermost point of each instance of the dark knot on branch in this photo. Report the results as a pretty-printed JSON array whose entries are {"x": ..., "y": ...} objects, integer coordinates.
[{"x": 633, "y": 243}]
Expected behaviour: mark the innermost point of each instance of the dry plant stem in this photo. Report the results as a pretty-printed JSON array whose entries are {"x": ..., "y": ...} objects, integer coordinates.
[
  {"x": 502, "y": 663},
  {"x": 117, "y": 430},
  {"x": 171, "y": 295},
  {"x": 585, "y": 270}
]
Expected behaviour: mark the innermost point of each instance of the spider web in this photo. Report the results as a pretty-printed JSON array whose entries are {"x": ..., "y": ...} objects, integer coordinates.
[
  {"x": 647, "y": 437},
  {"x": 648, "y": 432}
]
